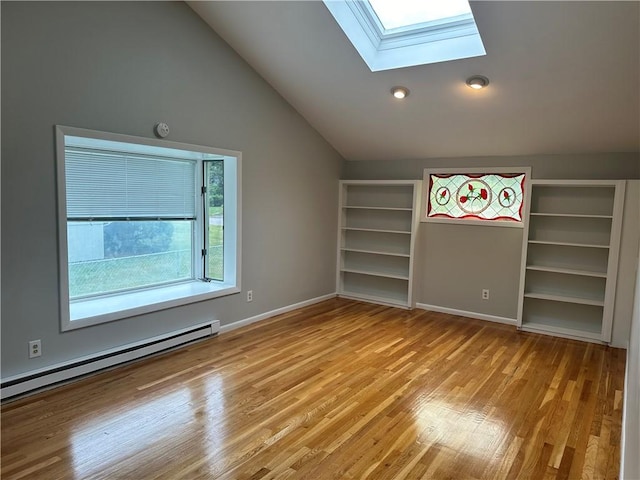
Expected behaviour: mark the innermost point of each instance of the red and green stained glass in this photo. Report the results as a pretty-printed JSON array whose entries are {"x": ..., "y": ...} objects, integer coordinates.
[{"x": 484, "y": 197}]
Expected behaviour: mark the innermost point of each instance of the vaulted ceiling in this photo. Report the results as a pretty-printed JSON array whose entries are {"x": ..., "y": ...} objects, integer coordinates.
[{"x": 564, "y": 78}]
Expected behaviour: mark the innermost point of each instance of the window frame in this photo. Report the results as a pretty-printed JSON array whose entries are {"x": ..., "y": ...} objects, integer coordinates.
[
  {"x": 475, "y": 171},
  {"x": 206, "y": 243},
  {"x": 83, "y": 312},
  {"x": 435, "y": 41}
]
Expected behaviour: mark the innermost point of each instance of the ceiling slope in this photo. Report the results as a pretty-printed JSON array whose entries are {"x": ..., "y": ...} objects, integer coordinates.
[{"x": 564, "y": 79}]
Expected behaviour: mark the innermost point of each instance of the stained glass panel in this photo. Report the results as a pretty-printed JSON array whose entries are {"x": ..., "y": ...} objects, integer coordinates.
[{"x": 491, "y": 196}]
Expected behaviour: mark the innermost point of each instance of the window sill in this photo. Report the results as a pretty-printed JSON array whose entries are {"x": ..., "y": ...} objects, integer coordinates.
[{"x": 84, "y": 313}]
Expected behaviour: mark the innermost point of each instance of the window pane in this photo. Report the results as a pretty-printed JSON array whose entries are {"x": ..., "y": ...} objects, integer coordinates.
[
  {"x": 122, "y": 184},
  {"x": 214, "y": 176},
  {"x": 481, "y": 197},
  {"x": 106, "y": 257},
  {"x": 404, "y": 13}
]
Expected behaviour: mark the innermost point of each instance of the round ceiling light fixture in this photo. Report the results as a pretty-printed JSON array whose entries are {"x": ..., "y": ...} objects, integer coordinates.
[
  {"x": 400, "y": 92},
  {"x": 477, "y": 82}
]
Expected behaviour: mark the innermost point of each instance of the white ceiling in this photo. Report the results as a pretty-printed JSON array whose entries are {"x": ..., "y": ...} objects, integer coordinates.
[{"x": 564, "y": 78}]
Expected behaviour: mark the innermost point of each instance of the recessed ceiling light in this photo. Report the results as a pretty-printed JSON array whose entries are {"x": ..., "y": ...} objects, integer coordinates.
[
  {"x": 400, "y": 92},
  {"x": 477, "y": 82}
]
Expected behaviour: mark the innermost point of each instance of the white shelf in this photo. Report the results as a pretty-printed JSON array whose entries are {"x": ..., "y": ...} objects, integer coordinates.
[
  {"x": 376, "y": 239},
  {"x": 374, "y": 273},
  {"x": 375, "y": 252},
  {"x": 546, "y": 328},
  {"x": 564, "y": 298},
  {"x": 376, "y": 242},
  {"x": 378, "y": 219},
  {"x": 574, "y": 320},
  {"x": 395, "y": 209},
  {"x": 551, "y": 284},
  {"x": 380, "y": 230},
  {"x": 389, "y": 289},
  {"x": 569, "y": 215},
  {"x": 381, "y": 194},
  {"x": 569, "y": 244},
  {"x": 377, "y": 265},
  {"x": 382, "y": 300},
  {"x": 573, "y": 197},
  {"x": 571, "y": 229},
  {"x": 568, "y": 271},
  {"x": 570, "y": 255}
]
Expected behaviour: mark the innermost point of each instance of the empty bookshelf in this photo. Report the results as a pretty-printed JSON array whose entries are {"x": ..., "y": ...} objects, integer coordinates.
[
  {"x": 376, "y": 240},
  {"x": 570, "y": 258}
]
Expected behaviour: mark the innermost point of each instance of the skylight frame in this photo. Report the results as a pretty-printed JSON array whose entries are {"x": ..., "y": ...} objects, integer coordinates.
[
  {"x": 441, "y": 20},
  {"x": 423, "y": 43}
]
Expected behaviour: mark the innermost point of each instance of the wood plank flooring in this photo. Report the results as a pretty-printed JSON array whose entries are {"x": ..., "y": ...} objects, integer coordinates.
[{"x": 339, "y": 390}]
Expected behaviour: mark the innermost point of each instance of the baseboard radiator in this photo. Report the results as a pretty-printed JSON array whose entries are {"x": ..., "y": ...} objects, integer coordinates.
[{"x": 49, "y": 376}]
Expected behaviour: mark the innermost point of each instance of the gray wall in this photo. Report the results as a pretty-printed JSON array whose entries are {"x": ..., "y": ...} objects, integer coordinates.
[
  {"x": 122, "y": 67},
  {"x": 459, "y": 261},
  {"x": 630, "y": 458},
  {"x": 625, "y": 286},
  {"x": 588, "y": 166},
  {"x": 455, "y": 262}
]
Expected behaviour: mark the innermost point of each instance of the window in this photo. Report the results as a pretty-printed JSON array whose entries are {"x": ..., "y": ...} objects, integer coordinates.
[
  {"x": 392, "y": 34},
  {"x": 495, "y": 198},
  {"x": 406, "y": 13},
  {"x": 144, "y": 224}
]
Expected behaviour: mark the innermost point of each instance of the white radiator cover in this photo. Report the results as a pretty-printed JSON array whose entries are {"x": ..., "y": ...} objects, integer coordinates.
[{"x": 61, "y": 372}]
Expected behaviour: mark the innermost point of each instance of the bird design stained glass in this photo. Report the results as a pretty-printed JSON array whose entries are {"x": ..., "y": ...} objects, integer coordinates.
[{"x": 490, "y": 196}]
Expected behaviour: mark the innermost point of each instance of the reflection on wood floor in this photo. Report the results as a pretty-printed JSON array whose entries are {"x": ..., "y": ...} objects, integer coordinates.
[{"x": 337, "y": 390}]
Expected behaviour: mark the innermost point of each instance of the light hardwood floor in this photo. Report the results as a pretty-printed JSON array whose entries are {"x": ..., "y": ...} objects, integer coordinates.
[{"x": 338, "y": 390}]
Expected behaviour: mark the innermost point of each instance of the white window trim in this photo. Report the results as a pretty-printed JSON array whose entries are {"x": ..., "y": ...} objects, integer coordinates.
[
  {"x": 429, "y": 42},
  {"x": 475, "y": 171},
  {"x": 100, "y": 309}
]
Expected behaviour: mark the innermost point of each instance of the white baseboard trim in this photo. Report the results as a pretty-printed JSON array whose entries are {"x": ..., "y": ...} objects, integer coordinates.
[
  {"x": 65, "y": 371},
  {"x": 62, "y": 372},
  {"x": 463, "y": 313},
  {"x": 278, "y": 311}
]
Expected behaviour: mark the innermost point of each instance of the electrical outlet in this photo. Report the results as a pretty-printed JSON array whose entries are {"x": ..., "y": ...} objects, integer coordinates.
[
  {"x": 35, "y": 348},
  {"x": 249, "y": 295},
  {"x": 485, "y": 294}
]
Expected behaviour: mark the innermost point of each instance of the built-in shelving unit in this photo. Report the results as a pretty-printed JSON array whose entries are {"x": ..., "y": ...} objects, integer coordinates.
[
  {"x": 376, "y": 240},
  {"x": 570, "y": 257}
]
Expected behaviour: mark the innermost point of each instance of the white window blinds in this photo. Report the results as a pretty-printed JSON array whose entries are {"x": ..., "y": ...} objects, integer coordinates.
[{"x": 120, "y": 185}]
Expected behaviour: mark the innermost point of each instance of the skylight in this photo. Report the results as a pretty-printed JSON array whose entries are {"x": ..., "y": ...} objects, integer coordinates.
[
  {"x": 391, "y": 34},
  {"x": 404, "y": 13}
]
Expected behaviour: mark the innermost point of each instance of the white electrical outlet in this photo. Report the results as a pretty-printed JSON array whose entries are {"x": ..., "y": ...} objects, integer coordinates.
[
  {"x": 485, "y": 294},
  {"x": 249, "y": 295},
  {"x": 35, "y": 348}
]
